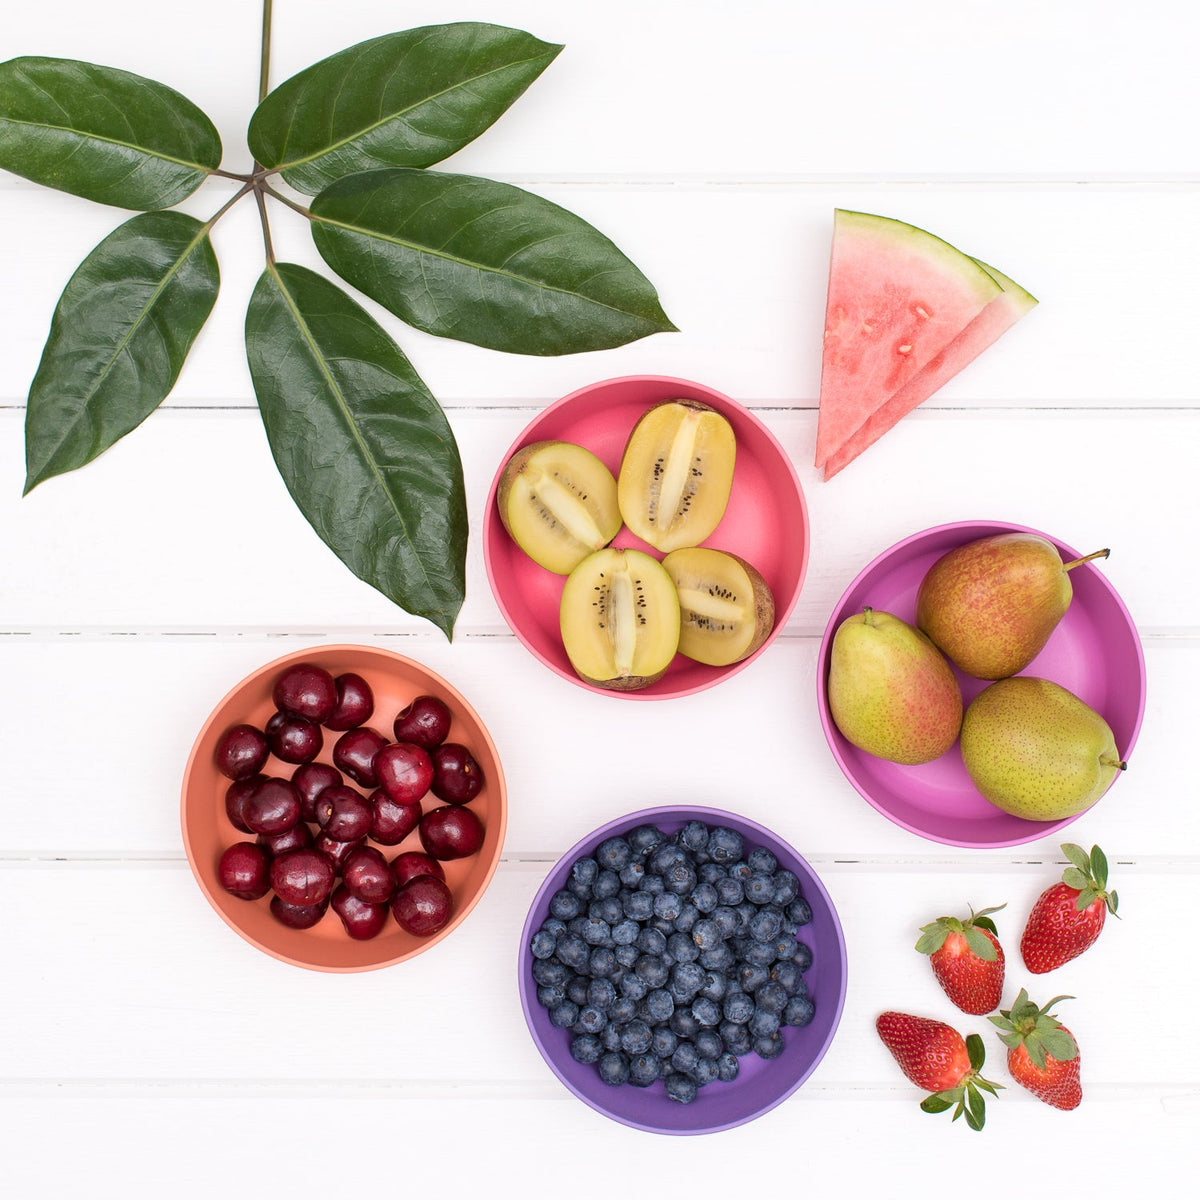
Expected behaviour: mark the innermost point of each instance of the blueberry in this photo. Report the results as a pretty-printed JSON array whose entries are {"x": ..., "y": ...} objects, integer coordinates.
[
  {"x": 638, "y": 906},
  {"x": 680, "y": 878},
  {"x": 716, "y": 984},
  {"x": 760, "y": 888},
  {"x": 802, "y": 957},
  {"x": 597, "y": 932},
  {"x": 727, "y": 919},
  {"x": 602, "y": 962},
  {"x": 761, "y": 954},
  {"x": 608, "y": 883},
  {"x": 706, "y": 933},
  {"x": 664, "y": 1041},
  {"x": 585, "y": 870},
  {"x": 765, "y": 924},
  {"x": 652, "y": 971},
  {"x": 564, "y": 905},
  {"x": 705, "y": 1071},
  {"x": 623, "y": 1009},
  {"x": 725, "y": 845},
  {"x": 736, "y": 1037},
  {"x": 745, "y": 912},
  {"x": 601, "y": 993},
  {"x": 613, "y": 853},
  {"x": 704, "y": 896},
  {"x": 710, "y": 872},
  {"x": 785, "y": 947},
  {"x": 789, "y": 977},
  {"x": 800, "y": 1010},
  {"x": 549, "y": 970},
  {"x": 564, "y": 1014},
  {"x": 551, "y": 995},
  {"x": 719, "y": 958},
  {"x": 769, "y": 1046},
  {"x": 685, "y": 1058},
  {"x": 659, "y": 1005},
  {"x": 644, "y": 838},
  {"x": 631, "y": 874},
  {"x": 786, "y": 886},
  {"x": 644, "y": 1069},
  {"x": 727, "y": 1067},
  {"x": 586, "y": 1048},
  {"x": 651, "y": 941},
  {"x": 686, "y": 980},
  {"x": 665, "y": 927},
  {"x": 652, "y": 884},
  {"x": 608, "y": 910},
  {"x": 800, "y": 911},
  {"x": 680, "y": 1088},
  {"x": 681, "y": 948},
  {"x": 591, "y": 1020},
  {"x": 543, "y": 944},
  {"x": 613, "y": 1068},
  {"x": 740, "y": 871},
  {"x": 751, "y": 976},
  {"x": 706, "y": 1011},
  {"x": 610, "y": 1037},
  {"x": 633, "y": 987},
  {"x": 577, "y": 990},
  {"x": 708, "y": 1043},
  {"x": 763, "y": 1023},
  {"x": 772, "y": 997},
  {"x": 694, "y": 835},
  {"x": 625, "y": 932},
  {"x": 668, "y": 906},
  {"x": 664, "y": 858},
  {"x": 575, "y": 925},
  {"x": 683, "y": 1023},
  {"x": 582, "y": 890},
  {"x": 636, "y": 1037},
  {"x": 738, "y": 1008},
  {"x": 626, "y": 955},
  {"x": 761, "y": 859},
  {"x": 730, "y": 891},
  {"x": 689, "y": 914}
]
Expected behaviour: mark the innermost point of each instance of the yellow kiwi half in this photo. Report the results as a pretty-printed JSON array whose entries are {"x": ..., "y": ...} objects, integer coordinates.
[
  {"x": 676, "y": 474},
  {"x": 558, "y": 502},
  {"x": 726, "y": 610},
  {"x": 619, "y": 619}
]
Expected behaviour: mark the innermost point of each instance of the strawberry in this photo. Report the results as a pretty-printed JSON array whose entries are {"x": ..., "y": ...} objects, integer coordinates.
[
  {"x": 1043, "y": 1057},
  {"x": 935, "y": 1057},
  {"x": 1067, "y": 917},
  {"x": 967, "y": 959}
]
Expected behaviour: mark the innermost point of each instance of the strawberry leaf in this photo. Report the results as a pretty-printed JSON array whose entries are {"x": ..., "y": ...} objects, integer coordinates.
[
  {"x": 1112, "y": 903},
  {"x": 1086, "y": 897},
  {"x": 932, "y": 938},
  {"x": 1060, "y": 1044},
  {"x": 975, "y": 1051},
  {"x": 1036, "y": 1052},
  {"x": 1077, "y": 879},
  {"x": 982, "y": 922},
  {"x": 975, "y": 1108},
  {"x": 980, "y": 944},
  {"x": 1077, "y": 855},
  {"x": 1099, "y": 866},
  {"x": 988, "y": 1086},
  {"x": 936, "y": 1103}
]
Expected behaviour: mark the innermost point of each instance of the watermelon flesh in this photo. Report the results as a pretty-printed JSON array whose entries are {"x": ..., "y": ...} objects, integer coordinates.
[
  {"x": 898, "y": 296},
  {"x": 997, "y": 318}
]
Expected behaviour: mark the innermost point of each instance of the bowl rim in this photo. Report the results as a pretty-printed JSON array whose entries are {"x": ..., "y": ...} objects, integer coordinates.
[
  {"x": 333, "y": 649},
  {"x": 527, "y": 436},
  {"x": 674, "y": 813},
  {"x": 1037, "y": 829}
]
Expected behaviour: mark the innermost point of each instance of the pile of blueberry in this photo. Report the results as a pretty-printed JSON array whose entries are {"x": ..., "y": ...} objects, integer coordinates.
[{"x": 668, "y": 957}]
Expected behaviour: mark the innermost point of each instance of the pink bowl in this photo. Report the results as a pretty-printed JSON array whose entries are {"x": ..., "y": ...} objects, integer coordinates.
[
  {"x": 1094, "y": 652},
  {"x": 766, "y": 522}
]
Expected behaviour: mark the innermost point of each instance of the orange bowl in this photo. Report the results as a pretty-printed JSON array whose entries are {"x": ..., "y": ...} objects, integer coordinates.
[{"x": 207, "y": 830}]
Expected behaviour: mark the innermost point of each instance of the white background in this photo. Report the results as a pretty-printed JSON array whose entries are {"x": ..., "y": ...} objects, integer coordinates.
[{"x": 148, "y": 1047}]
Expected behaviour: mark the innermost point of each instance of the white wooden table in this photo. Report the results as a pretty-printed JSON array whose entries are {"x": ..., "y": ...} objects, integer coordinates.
[{"x": 147, "y": 1048}]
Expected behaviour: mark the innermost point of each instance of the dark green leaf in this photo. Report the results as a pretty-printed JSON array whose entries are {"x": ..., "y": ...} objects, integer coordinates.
[
  {"x": 1112, "y": 903},
  {"x": 988, "y": 1086},
  {"x": 986, "y": 923},
  {"x": 1076, "y": 854},
  {"x": 363, "y": 447},
  {"x": 118, "y": 339},
  {"x": 975, "y": 1107},
  {"x": 936, "y": 1104},
  {"x": 405, "y": 99},
  {"x": 975, "y": 1051},
  {"x": 1099, "y": 867},
  {"x": 1037, "y": 1052},
  {"x": 1086, "y": 897},
  {"x": 483, "y": 262},
  {"x": 103, "y": 134},
  {"x": 980, "y": 944}
]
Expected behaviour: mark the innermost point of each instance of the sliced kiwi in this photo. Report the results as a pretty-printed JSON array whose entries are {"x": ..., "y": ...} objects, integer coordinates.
[
  {"x": 726, "y": 610},
  {"x": 558, "y": 501},
  {"x": 619, "y": 618},
  {"x": 676, "y": 474}
]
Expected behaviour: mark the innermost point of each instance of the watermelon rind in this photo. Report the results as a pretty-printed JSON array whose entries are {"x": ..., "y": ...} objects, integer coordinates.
[{"x": 898, "y": 295}]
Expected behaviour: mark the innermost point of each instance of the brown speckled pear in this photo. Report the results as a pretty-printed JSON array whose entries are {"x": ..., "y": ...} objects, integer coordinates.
[
  {"x": 991, "y": 605},
  {"x": 1036, "y": 750},
  {"x": 891, "y": 692}
]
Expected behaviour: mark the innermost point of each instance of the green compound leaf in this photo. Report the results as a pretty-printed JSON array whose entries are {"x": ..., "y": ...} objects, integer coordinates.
[
  {"x": 364, "y": 448},
  {"x": 483, "y": 262},
  {"x": 406, "y": 99},
  {"x": 118, "y": 339},
  {"x": 103, "y": 134}
]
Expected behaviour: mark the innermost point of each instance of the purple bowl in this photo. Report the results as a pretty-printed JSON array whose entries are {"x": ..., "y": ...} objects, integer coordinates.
[
  {"x": 1094, "y": 652},
  {"x": 760, "y": 1084}
]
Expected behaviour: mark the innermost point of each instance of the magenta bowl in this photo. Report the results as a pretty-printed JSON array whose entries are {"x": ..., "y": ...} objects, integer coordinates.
[
  {"x": 761, "y": 1084},
  {"x": 766, "y": 522},
  {"x": 1094, "y": 652}
]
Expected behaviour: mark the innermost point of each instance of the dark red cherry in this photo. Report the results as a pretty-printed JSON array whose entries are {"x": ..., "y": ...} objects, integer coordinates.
[
  {"x": 343, "y": 814},
  {"x": 272, "y": 807},
  {"x": 391, "y": 823},
  {"x": 457, "y": 777},
  {"x": 355, "y": 702},
  {"x": 236, "y": 796},
  {"x": 241, "y": 752},
  {"x": 425, "y": 722},
  {"x": 244, "y": 870},
  {"x": 306, "y": 690},
  {"x": 423, "y": 906},
  {"x": 451, "y": 832},
  {"x": 361, "y": 920},
  {"x": 354, "y": 755},
  {"x": 337, "y": 852},
  {"x": 302, "y": 877},
  {"x": 405, "y": 771},
  {"x": 297, "y": 916},
  {"x": 411, "y": 863},
  {"x": 310, "y": 781},
  {"x": 296, "y": 740},
  {"x": 366, "y": 875},
  {"x": 299, "y": 837}
]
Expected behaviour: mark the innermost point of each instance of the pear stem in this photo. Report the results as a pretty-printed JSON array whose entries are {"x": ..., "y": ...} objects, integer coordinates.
[
  {"x": 1086, "y": 558},
  {"x": 1111, "y": 762}
]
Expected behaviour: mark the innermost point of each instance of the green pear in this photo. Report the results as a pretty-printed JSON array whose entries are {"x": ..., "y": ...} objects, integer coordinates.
[
  {"x": 992, "y": 604},
  {"x": 1036, "y": 750},
  {"x": 891, "y": 693}
]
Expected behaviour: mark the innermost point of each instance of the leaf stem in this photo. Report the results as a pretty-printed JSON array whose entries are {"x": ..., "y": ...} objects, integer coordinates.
[
  {"x": 266, "y": 224},
  {"x": 246, "y": 187},
  {"x": 231, "y": 175},
  {"x": 266, "y": 187},
  {"x": 264, "y": 72}
]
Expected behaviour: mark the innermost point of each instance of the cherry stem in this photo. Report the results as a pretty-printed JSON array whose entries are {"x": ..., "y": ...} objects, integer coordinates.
[{"x": 1086, "y": 558}]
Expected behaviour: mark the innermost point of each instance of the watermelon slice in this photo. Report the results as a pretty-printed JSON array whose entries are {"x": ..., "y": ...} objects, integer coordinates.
[
  {"x": 898, "y": 296},
  {"x": 997, "y": 317}
]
